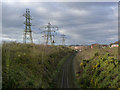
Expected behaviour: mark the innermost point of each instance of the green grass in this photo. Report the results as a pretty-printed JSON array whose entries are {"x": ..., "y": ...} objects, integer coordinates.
[
  {"x": 31, "y": 66},
  {"x": 97, "y": 68}
]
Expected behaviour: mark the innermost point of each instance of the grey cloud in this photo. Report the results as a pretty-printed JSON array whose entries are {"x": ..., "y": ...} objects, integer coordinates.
[{"x": 83, "y": 23}]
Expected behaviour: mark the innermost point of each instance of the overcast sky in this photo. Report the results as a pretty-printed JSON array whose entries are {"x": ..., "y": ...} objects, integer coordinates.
[{"x": 82, "y": 23}]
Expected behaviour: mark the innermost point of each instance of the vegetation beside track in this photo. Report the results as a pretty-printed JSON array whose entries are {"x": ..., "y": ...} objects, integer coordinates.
[
  {"x": 31, "y": 66},
  {"x": 97, "y": 68}
]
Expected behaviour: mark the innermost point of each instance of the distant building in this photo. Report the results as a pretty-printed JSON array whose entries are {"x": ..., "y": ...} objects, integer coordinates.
[
  {"x": 79, "y": 48},
  {"x": 104, "y": 46},
  {"x": 99, "y": 46},
  {"x": 114, "y": 45},
  {"x": 95, "y": 45}
]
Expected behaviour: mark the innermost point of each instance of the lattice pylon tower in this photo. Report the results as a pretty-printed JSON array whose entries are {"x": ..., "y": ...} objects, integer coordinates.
[
  {"x": 63, "y": 39},
  {"x": 49, "y": 33},
  {"x": 27, "y": 38}
]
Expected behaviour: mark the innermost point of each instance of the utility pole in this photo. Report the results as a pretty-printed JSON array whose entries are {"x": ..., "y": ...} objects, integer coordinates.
[
  {"x": 27, "y": 32},
  {"x": 63, "y": 39},
  {"x": 49, "y": 33}
]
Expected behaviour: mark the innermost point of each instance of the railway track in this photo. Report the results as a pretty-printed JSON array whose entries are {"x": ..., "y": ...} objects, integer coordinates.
[{"x": 66, "y": 77}]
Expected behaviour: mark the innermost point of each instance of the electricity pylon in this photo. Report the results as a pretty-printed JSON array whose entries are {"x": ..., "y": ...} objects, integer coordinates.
[
  {"x": 49, "y": 33},
  {"x": 63, "y": 39},
  {"x": 27, "y": 32}
]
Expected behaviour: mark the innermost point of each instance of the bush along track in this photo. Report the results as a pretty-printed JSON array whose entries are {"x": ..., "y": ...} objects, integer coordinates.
[
  {"x": 31, "y": 66},
  {"x": 98, "y": 71}
]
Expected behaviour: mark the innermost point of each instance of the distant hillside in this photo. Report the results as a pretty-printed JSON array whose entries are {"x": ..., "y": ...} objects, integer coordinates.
[{"x": 116, "y": 42}]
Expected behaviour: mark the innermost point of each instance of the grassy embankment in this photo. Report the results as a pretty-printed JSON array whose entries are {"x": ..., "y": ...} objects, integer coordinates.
[
  {"x": 28, "y": 66},
  {"x": 97, "y": 68}
]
